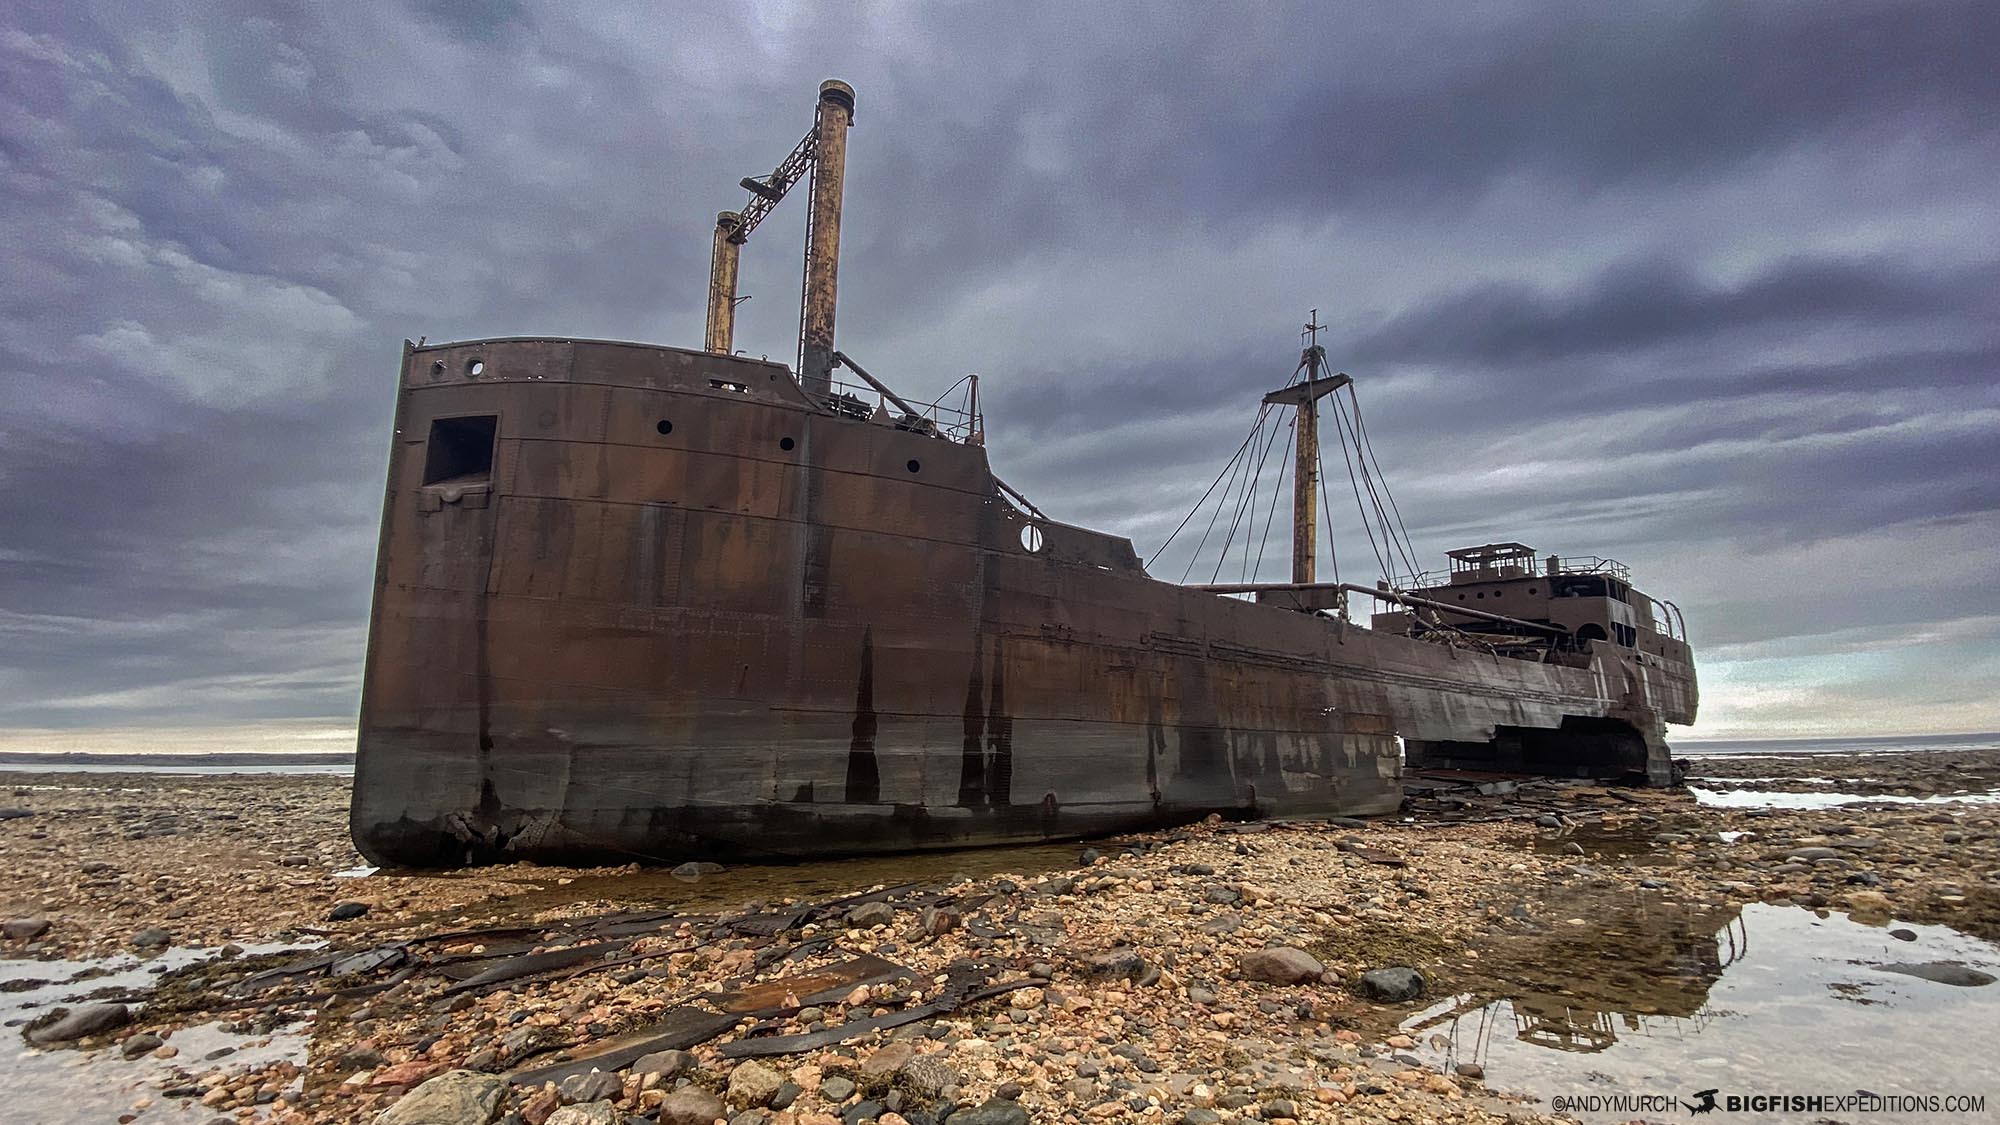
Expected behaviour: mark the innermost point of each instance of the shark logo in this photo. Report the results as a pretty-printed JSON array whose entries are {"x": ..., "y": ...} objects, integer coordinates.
[{"x": 1704, "y": 1102}]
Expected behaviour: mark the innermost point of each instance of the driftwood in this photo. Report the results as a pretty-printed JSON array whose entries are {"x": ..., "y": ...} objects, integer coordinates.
[
  {"x": 855, "y": 1029},
  {"x": 682, "y": 1028},
  {"x": 534, "y": 964},
  {"x": 789, "y": 994}
]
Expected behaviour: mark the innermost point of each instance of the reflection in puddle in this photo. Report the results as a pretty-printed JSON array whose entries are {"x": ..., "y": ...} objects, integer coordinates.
[
  {"x": 65, "y": 1084},
  {"x": 1651, "y": 999},
  {"x": 1768, "y": 799}
]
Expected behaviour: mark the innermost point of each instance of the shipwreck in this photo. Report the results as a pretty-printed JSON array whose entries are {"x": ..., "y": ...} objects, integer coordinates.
[{"x": 644, "y": 602}]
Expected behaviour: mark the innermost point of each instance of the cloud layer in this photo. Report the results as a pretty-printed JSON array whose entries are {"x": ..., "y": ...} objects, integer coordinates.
[{"x": 1712, "y": 289}]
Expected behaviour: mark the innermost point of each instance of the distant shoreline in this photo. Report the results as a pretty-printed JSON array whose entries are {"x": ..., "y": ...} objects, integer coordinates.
[{"x": 221, "y": 760}]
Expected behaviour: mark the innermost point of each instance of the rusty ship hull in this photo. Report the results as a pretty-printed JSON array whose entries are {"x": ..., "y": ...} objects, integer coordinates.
[{"x": 644, "y": 603}]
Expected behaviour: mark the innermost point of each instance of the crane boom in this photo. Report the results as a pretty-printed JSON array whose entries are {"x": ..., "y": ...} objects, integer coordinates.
[{"x": 765, "y": 193}]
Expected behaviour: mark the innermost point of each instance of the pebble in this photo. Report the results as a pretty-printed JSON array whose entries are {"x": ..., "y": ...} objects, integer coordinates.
[
  {"x": 585, "y": 1113},
  {"x": 753, "y": 1083},
  {"x": 994, "y": 1111},
  {"x": 690, "y": 1105},
  {"x": 592, "y": 1087},
  {"x": 667, "y": 1064}
]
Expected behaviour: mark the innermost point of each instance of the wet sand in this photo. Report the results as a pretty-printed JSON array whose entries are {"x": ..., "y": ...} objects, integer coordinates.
[{"x": 1477, "y": 892}]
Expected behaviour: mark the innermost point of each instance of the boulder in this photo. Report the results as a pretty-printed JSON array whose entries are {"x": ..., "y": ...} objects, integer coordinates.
[
  {"x": 1390, "y": 986},
  {"x": 1943, "y": 972},
  {"x": 1281, "y": 964},
  {"x": 152, "y": 937},
  {"x": 1114, "y": 964},
  {"x": 24, "y": 929},
  {"x": 91, "y": 1019},
  {"x": 347, "y": 911},
  {"x": 870, "y": 914},
  {"x": 456, "y": 1097}
]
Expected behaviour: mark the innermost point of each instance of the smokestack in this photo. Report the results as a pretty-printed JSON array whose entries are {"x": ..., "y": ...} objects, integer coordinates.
[
  {"x": 836, "y": 113},
  {"x": 721, "y": 334}
]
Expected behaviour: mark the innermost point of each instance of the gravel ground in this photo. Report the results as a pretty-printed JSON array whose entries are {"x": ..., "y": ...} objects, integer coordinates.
[{"x": 1207, "y": 975}]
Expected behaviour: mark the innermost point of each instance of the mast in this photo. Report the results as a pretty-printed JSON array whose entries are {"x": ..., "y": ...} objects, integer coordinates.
[{"x": 1305, "y": 467}]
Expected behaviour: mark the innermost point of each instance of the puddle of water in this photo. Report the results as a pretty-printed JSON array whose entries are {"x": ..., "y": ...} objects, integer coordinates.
[
  {"x": 1654, "y": 1000},
  {"x": 66, "y": 1084},
  {"x": 1784, "y": 780},
  {"x": 1632, "y": 843},
  {"x": 1768, "y": 799}
]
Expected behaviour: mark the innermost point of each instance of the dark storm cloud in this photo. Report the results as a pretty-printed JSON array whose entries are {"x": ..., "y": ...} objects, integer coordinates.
[
  {"x": 1707, "y": 286},
  {"x": 1652, "y": 303}
]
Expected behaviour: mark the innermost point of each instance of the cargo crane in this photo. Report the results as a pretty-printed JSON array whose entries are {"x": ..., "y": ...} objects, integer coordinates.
[{"x": 821, "y": 156}]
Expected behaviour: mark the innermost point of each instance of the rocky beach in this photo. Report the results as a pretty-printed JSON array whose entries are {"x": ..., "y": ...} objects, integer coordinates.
[{"x": 1223, "y": 972}]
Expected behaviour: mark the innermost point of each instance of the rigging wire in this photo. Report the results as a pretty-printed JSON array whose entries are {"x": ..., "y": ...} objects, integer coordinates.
[
  {"x": 1392, "y": 547},
  {"x": 1277, "y": 486},
  {"x": 1361, "y": 424},
  {"x": 1241, "y": 505},
  {"x": 1221, "y": 502},
  {"x": 1331, "y": 549},
  {"x": 1211, "y": 487},
  {"x": 1241, "y": 478},
  {"x": 1354, "y": 482}
]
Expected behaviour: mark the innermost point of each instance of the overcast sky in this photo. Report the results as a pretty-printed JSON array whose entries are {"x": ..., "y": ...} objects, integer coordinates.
[{"x": 1708, "y": 288}]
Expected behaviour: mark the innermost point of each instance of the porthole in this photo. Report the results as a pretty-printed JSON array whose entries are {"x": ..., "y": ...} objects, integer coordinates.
[
  {"x": 1531, "y": 591},
  {"x": 665, "y": 427},
  {"x": 474, "y": 368},
  {"x": 1031, "y": 538},
  {"x": 1461, "y": 597},
  {"x": 1481, "y": 595},
  {"x": 913, "y": 466},
  {"x": 1497, "y": 593},
  {"x": 786, "y": 444}
]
